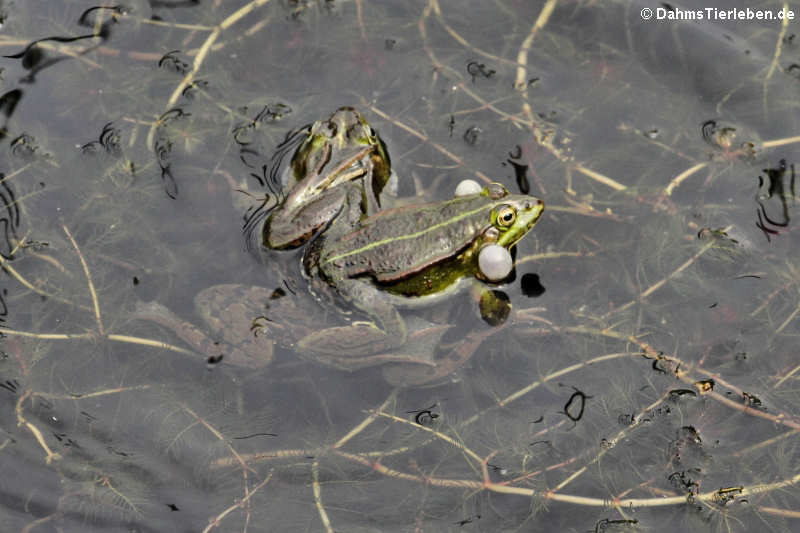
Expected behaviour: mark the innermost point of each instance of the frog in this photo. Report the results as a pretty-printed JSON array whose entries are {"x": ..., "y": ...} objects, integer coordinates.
[
  {"x": 410, "y": 256},
  {"x": 250, "y": 320},
  {"x": 342, "y": 149},
  {"x": 407, "y": 256}
]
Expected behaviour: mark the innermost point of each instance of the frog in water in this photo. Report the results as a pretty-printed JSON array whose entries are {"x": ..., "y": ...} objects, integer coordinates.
[
  {"x": 392, "y": 258},
  {"x": 404, "y": 257},
  {"x": 342, "y": 149},
  {"x": 407, "y": 256},
  {"x": 339, "y": 150}
]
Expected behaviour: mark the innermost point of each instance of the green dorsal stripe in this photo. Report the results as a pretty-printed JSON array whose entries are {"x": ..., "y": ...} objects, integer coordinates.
[{"x": 414, "y": 235}]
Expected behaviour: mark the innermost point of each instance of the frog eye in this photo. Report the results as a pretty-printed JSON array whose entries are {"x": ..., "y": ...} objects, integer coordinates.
[{"x": 506, "y": 216}]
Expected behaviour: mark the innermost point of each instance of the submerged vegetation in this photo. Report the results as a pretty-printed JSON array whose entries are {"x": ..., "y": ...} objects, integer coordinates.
[{"x": 644, "y": 370}]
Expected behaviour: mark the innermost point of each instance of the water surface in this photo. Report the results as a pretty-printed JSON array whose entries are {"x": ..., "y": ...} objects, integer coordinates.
[{"x": 645, "y": 381}]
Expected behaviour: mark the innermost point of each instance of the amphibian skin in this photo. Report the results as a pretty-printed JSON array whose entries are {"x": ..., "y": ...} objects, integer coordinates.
[
  {"x": 407, "y": 256},
  {"x": 342, "y": 149},
  {"x": 373, "y": 260},
  {"x": 403, "y": 256}
]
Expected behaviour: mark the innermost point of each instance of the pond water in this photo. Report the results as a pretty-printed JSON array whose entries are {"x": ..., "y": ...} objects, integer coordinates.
[{"x": 646, "y": 378}]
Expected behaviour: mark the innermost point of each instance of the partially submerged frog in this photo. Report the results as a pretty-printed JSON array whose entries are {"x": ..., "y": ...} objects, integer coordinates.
[
  {"x": 329, "y": 153},
  {"x": 407, "y": 256},
  {"x": 402, "y": 257},
  {"x": 335, "y": 151},
  {"x": 374, "y": 261}
]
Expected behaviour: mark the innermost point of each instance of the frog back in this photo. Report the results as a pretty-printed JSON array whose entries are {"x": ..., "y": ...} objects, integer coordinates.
[{"x": 397, "y": 243}]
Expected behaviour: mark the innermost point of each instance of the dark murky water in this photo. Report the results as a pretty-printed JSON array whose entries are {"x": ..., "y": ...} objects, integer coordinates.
[{"x": 645, "y": 381}]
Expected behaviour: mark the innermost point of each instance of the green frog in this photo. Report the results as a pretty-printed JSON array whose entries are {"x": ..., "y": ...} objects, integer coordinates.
[
  {"x": 401, "y": 257},
  {"x": 374, "y": 260},
  {"x": 342, "y": 149},
  {"x": 404, "y": 256}
]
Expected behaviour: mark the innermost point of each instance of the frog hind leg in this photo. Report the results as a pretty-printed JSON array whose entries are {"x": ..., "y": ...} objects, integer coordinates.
[
  {"x": 258, "y": 353},
  {"x": 359, "y": 339},
  {"x": 445, "y": 367},
  {"x": 230, "y": 311},
  {"x": 186, "y": 331}
]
